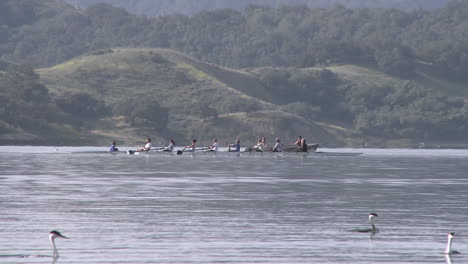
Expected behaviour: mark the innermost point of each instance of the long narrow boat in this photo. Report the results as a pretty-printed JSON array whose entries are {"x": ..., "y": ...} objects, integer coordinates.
[
  {"x": 147, "y": 152},
  {"x": 289, "y": 148},
  {"x": 203, "y": 152}
]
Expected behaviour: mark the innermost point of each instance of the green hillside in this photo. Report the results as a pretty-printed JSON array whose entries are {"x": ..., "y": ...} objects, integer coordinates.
[
  {"x": 202, "y": 100},
  {"x": 257, "y": 72},
  {"x": 165, "y": 94}
]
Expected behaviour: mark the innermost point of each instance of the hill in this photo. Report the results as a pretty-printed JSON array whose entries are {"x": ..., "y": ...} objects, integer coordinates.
[
  {"x": 165, "y": 94},
  {"x": 351, "y": 73},
  {"x": 202, "y": 100},
  {"x": 126, "y": 94}
]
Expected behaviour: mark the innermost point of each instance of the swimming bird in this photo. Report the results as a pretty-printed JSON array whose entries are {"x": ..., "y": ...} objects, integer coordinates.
[
  {"x": 371, "y": 221},
  {"x": 52, "y": 236},
  {"x": 449, "y": 250}
]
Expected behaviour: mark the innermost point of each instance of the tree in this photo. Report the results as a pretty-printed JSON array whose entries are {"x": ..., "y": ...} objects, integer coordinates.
[
  {"x": 82, "y": 105},
  {"x": 144, "y": 112}
]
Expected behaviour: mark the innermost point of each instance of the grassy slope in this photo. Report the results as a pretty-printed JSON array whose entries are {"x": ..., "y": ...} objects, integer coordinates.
[{"x": 178, "y": 82}]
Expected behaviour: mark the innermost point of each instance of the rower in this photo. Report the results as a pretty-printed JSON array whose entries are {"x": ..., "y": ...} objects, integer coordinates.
[
  {"x": 260, "y": 145},
  {"x": 170, "y": 148},
  {"x": 147, "y": 147},
  {"x": 214, "y": 147},
  {"x": 278, "y": 146},
  {"x": 192, "y": 146},
  {"x": 298, "y": 141},
  {"x": 301, "y": 144},
  {"x": 236, "y": 146},
  {"x": 113, "y": 148}
]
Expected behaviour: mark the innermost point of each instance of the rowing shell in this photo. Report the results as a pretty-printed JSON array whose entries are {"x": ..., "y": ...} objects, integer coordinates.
[
  {"x": 292, "y": 148},
  {"x": 152, "y": 151},
  {"x": 243, "y": 153}
]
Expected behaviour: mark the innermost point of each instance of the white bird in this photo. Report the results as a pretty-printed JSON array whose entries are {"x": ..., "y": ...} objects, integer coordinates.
[
  {"x": 449, "y": 250},
  {"x": 371, "y": 221}
]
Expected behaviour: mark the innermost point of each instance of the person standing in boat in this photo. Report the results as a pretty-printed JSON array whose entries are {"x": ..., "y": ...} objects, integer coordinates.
[
  {"x": 147, "y": 147},
  {"x": 192, "y": 146},
  {"x": 278, "y": 146},
  {"x": 171, "y": 146},
  {"x": 113, "y": 147},
  {"x": 301, "y": 144},
  {"x": 215, "y": 146},
  {"x": 236, "y": 146}
]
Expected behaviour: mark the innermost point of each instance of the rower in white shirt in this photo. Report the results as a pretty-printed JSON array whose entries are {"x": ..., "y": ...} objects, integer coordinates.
[
  {"x": 260, "y": 145},
  {"x": 215, "y": 146},
  {"x": 147, "y": 147}
]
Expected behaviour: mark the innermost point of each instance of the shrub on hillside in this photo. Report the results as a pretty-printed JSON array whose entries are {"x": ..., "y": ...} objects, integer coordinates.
[
  {"x": 82, "y": 105},
  {"x": 146, "y": 112}
]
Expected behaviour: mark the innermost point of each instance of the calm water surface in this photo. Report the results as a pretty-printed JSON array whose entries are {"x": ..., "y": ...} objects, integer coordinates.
[{"x": 233, "y": 209}]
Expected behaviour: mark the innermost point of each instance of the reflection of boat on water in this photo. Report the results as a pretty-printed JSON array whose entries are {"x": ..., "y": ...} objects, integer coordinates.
[
  {"x": 337, "y": 154},
  {"x": 316, "y": 154}
]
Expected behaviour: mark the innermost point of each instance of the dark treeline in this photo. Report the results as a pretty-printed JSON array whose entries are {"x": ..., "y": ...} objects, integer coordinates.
[
  {"x": 27, "y": 105},
  {"x": 45, "y": 33},
  {"x": 24, "y": 102}
]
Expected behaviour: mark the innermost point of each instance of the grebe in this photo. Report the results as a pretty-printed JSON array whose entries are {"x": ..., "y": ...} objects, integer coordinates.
[
  {"x": 449, "y": 250},
  {"x": 52, "y": 236},
  {"x": 371, "y": 221}
]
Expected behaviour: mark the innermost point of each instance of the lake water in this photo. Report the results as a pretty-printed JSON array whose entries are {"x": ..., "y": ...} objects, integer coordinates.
[{"x": 233, "y": 209}]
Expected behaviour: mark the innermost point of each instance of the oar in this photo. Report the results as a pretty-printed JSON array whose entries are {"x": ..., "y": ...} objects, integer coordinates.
[
  {"x": 179, "y": 152},
  {"x": 131, "y": 152},
  {"x": 247, "y": 149},
  {"x": 204, "y": 149},
  {"x": 157, "y": 148}
]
